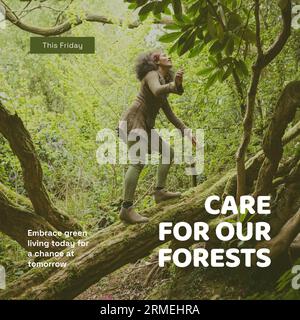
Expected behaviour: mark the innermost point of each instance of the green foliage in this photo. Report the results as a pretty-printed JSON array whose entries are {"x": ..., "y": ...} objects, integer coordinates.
[
  {"x": 222, "y": 26},
  {"x": 64, "y": 100}
]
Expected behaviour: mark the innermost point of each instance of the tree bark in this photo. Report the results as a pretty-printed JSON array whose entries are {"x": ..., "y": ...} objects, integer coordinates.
[
  {"x": 287, "y": 200},
  {"x": 262, "y": 61},
  {"x": 12, "y": 128},
  {"x": 285, "y": 237},
  {"x": 15, "y": 222},
  {"x": 284, "y": 113}
]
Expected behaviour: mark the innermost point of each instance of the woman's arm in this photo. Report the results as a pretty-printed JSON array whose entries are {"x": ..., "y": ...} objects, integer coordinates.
[{"x": 152, "y": 79}]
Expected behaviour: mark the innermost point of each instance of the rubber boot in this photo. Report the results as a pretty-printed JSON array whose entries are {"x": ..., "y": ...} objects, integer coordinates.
[
  {"x": 130, "y": 216},
  {"x": 163, "y": 195}
]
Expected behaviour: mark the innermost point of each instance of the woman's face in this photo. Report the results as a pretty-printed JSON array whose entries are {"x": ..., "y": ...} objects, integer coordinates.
[{"x": 164, "y": 60}]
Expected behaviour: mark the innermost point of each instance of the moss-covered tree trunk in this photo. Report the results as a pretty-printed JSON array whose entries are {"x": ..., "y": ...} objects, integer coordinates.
[
  {"x": 13, "y": 129},
  {"x": 108, "y": 252},
  {"x": 15, "y": 221}
]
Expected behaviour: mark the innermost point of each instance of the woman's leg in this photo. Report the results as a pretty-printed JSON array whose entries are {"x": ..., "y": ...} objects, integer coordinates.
[
  {"x": 130, "y": 184},
  {"x": 163, "y": 168},
  {"x": 132, "y": 175},
  {"x": 127, "y": 212},
  {"x": 166, "y": 159}
]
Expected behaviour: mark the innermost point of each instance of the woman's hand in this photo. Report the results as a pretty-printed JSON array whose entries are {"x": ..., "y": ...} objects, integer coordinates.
[{"x": 179, "y": 77}]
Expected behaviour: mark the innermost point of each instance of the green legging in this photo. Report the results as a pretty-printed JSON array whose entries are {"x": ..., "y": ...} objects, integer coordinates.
[{"x": 134, "y": 170}]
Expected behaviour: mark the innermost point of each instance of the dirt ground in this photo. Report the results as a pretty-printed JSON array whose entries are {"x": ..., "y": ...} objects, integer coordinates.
[{"x": 144, "y": 280}]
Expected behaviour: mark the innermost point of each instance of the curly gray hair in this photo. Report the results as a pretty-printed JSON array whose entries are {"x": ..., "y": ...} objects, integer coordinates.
[{"x": 145, "y": 63}]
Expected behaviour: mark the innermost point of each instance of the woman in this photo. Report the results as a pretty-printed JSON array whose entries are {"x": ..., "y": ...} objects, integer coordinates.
[{"x": 154, "y": 70}]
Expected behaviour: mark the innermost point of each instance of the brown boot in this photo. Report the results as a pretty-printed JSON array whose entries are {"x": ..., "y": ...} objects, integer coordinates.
[
  {"x": 163, "y": 195},
  {"x": 130, "y": 216}
]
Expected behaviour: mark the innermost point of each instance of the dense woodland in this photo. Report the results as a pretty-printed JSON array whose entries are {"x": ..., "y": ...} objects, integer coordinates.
[{"x": 241, "y": 61}]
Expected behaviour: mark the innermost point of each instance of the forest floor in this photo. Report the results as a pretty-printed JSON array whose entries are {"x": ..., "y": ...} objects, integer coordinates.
[{"x": 143, "y": 281}]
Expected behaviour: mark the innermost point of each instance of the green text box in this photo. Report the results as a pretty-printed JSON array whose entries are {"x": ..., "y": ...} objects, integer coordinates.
[{"x": 77, "y": 45}]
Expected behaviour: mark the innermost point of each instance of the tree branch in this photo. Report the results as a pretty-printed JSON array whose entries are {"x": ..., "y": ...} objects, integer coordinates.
[
  {"x": 261, "y": 62},
  {"x": 67, "y": 25},
  {"x": 293, "y": 133},
  {"x": 284, "y": 238},
  {"x": 257, "y": 26},
  {"x": 272, "y": 144},
  {"x": 277, "y": 46}
]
